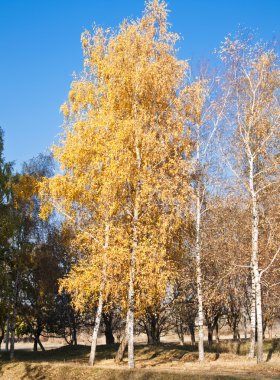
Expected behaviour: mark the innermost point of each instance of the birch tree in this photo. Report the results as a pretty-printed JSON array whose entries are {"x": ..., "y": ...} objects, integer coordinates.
[
  {"x": 124, "y": 155},
  {"x": 205, "y": 115},
  {"x": 253, "y": 127}
]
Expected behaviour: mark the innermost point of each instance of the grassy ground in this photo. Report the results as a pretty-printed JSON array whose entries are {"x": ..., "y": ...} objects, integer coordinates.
[{"x": 226, "y": 361}]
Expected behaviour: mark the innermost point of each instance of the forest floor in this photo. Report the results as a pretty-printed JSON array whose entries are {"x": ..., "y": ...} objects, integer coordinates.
[{"x": 226, "y": 361}]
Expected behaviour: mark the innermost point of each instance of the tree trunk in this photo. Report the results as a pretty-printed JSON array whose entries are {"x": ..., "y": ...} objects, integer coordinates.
[
  {"x": 14, "y": 315},
  {"x": 217, "y": 332},
  {"x": 130, "y": 310},
  {"x": 192, "y": 332},
  {"x": 38, "y": 334},
  {"x": 120, "y": 353},
  {"x": 264, "y": 328},
  {"x": 181, "y": 338},
  {"x": 74, "y": 332},
  {"x": 236, "y": 334},
  {"x": 130, "y": 315},
  {"x": 199, "y": 279},
  {"x": 210, "y": 336},
  {"x": 100, "y": 303},
  {"x": 40, "y": 344},
  {"x": 253, "y": 321},
  {"x": 96, "y": 329},
  {"x": 7, "y": 338},
  {"x": 245, "y": 326},
  {"x": 2, "y": 335},
  {"x": 211, "y": 327},
  {"x": 13, "y": 325},
  {"x": 72, "y": 327},
  {"x": 109, "y": 336},
  {"x": 255, "y": 264},
  {"x": 180, "y": 332},
  {"x": 108, "y": 320},
  {"x": 36, "y": 342},
  {"x": 152, "y": 329},
  {"x": 35, "y": 345},
  {"x": 198, "y": 250},
  {"x": 154, "y": 339},
  {"x": 259, "y": 321}
]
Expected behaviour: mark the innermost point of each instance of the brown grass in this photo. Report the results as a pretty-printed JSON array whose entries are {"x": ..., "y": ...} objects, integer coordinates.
[{"x": 167, "y": 361}]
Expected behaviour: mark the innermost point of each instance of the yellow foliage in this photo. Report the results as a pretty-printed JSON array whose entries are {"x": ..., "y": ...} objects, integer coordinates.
[
  {"x": 124, "y": 144},
  {"x": 24, "y": 188}
]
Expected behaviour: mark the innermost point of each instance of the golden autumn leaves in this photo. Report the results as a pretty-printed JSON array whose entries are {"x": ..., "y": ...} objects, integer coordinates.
[{"x": 125, "y": 145}]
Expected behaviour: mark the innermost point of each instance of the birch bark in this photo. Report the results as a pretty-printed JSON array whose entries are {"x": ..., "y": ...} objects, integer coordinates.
[
  {"x": 122, "y": 347},
  {"x": 253, "y": 320},
  {"x": 198, "y": 252},
  {"x": 255, "y": 262},
  {"x": 130, "y": 311},
  {"x": 100, "y": 302}
]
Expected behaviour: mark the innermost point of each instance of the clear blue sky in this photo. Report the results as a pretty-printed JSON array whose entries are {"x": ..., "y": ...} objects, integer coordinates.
[{"x": 40, "y": 49}]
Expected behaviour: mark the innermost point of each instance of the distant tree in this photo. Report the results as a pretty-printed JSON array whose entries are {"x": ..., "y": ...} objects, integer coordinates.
[{"x": 30, "y": 236}]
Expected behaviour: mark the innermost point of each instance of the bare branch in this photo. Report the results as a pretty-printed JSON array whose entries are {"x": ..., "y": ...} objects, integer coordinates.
[{"x": 271, "y": 262}]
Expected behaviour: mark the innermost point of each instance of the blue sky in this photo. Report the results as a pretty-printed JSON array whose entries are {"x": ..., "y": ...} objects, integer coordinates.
[{"x": 40, "y": 49}]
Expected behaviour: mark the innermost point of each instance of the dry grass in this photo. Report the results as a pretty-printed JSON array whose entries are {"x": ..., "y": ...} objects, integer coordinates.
[{"x": 166, "y": 361}]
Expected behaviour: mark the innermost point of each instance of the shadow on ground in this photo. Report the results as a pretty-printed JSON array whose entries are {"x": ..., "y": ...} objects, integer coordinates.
[{"x": 165, "y": 361}]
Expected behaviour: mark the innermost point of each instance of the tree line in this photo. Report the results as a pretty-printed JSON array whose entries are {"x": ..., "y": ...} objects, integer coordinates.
[{"x": 164, "y": 214}]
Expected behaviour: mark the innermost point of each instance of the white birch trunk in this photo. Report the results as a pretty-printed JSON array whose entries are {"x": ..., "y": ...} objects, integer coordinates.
[
  {"x": 100, "y": 303},
  {"x": 255, "y": 264},
  {"x": 253, "y": 321},
  {"x": 198, "y": 253},
  {"x": 130, "y": 310},
  {"x": 199, "y": 285},
  {"x": 130, "y": 321},
  {"x": 96, "y": 329}
]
